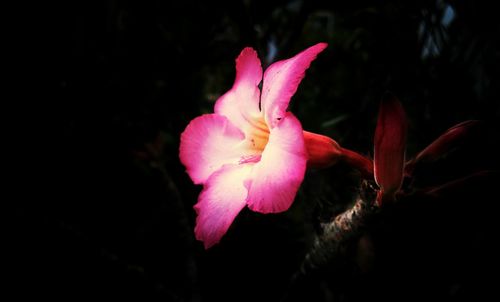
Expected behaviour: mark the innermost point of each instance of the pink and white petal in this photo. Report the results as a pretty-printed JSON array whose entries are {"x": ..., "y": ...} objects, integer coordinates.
[
  {"x": 241, "y": 103},
  {"x": 274, "y": 180},
  {"x": 281, "y": 80},
  {"x": 207, "y": 143},
  {"x": 222, "y": 198}
]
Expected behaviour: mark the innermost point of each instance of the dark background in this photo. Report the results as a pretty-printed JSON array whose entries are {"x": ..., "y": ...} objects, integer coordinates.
[{"x": 109, "y": 212}]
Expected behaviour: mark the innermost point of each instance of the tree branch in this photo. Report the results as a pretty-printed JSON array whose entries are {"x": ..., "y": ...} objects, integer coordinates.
[{"x": 342, "y": 230}]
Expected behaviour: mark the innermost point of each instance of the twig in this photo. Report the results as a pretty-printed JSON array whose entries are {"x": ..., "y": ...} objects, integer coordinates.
[{"x": 342, "y": 230}]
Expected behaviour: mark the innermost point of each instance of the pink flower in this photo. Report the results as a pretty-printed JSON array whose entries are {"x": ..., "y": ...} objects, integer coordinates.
[{"x": 251, "y": 151}]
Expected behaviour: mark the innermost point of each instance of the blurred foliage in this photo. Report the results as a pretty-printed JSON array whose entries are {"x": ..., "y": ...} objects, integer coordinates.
[{"x": 125, "y": 79}]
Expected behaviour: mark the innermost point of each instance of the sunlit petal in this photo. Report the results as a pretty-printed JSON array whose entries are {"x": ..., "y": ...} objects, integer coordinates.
[
  {"x": 209, "y": 142},
  {"x": 221, "y": 200},
  {"x": 241, "y": 103},
  {"x": 281, "y": 80},
  {"x": 276, "y": 178}
]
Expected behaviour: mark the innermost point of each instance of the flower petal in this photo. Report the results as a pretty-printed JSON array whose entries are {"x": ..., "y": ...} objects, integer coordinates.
[
  {"x": 241, "y": 104},
  {"x": 281, "y": 80},
  {"x": 274, "y": 180},
  {"x": 390, "y": 144},
  {"x": 209, "y": 142},
  {"x": 220, "y": 201}
]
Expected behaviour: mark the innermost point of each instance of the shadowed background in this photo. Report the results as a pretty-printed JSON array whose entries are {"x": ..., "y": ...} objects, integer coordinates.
[{"x": 126, "y": 77}]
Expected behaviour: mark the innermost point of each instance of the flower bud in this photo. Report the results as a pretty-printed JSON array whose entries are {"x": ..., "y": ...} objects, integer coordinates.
[{"x": 390, "y": 144}]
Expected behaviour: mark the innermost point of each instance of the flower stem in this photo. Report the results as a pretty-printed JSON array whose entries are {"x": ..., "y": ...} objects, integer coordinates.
[{"x": 358, "y": 161}]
